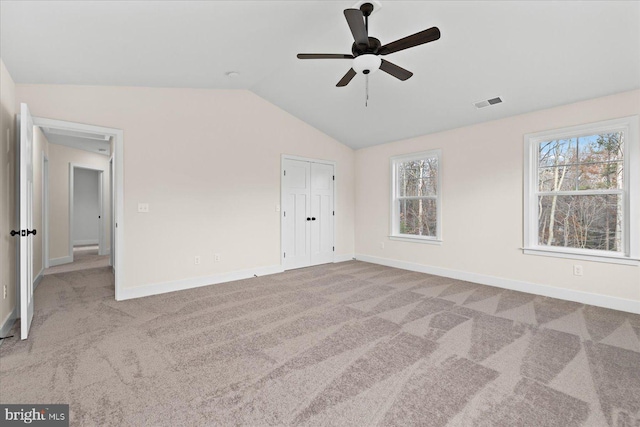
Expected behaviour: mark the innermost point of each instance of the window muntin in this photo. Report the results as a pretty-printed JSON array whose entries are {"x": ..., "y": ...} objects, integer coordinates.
[
  {"x": 416, "y": 196},
  {"x": 580, "y": 192}
]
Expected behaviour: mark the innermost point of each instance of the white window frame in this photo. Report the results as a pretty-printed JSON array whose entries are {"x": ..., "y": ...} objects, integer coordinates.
[
  {"x": 631, "y": 192},
  {"x": 395, "y": 214}
]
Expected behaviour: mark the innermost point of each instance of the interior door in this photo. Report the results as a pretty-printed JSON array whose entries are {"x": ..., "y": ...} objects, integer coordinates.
[
  {"x": 25, "y": 217},
  {"x": 296, "y": 219},
  {"x": 322, "y": 214}
]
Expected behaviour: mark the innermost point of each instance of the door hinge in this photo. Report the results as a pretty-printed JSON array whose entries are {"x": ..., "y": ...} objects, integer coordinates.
[
  {"x": 285, "y": 173},
  {"x": 284, "y": 213},
  {"x": 334, "y": 177},
  {"x": 334, "y": 249},
  {"x": 334, "y": 213},
  {"x": 285, "y": 255}
]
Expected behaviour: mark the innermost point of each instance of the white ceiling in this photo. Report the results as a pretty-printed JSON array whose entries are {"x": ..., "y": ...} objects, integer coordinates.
[{"x": 534, "y": 54}]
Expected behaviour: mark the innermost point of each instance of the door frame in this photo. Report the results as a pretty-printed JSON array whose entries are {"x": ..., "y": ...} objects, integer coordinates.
[
  {"x": 117, "y": 220},
  {"x": 284, "y": 157},
  {"x": 72, "y": 170},
  {"x": 45, "y": 211}
]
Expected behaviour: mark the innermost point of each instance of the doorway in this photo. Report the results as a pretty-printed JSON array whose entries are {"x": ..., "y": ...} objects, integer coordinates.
[
  {"x": 109, "y": 242},
  {"x": 87, "y": 238},
  {"x": 308, "y": 212}
]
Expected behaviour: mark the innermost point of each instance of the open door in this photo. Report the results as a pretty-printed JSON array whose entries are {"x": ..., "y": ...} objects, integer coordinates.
[{"x": 25, "y": 218}]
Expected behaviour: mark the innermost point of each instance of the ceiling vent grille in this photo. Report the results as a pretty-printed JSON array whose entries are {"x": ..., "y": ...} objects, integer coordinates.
[{"x": 488, "y": 102}]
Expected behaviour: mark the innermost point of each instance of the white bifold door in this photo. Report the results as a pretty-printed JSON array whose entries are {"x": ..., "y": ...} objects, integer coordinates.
[{"x": 307, "y": 213}]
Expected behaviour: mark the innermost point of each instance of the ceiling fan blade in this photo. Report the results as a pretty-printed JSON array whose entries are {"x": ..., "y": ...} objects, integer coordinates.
[
  {"x": 355, "y": 19},
  {"x": 416, "y": 39},
  {"x": 347, "y": 78},
  {"x": 395, "y": 71},
  {"x": 324, "y": 56}
]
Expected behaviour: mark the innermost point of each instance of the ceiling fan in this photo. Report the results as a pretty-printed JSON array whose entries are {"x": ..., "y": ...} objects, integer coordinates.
[{"x": 366, "y": 50}]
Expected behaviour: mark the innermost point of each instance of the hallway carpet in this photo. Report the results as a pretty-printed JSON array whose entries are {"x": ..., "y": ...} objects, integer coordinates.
[
  {"x": 349, "y": 344},
  {"x": 83, "y": 258}
]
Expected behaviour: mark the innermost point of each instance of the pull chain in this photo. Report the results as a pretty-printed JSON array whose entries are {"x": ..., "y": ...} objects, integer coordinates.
[{"x": 366, "y": 99}]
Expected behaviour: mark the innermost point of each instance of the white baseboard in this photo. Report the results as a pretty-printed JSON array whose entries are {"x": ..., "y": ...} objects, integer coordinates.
[
  {"x": 38, "y": 279},
  {"x": 179, "y": 285},
  {"x": 599, "y": 300},
  {"x": 8, "y": 322},
  {"x": 85, "y": 242},
  {"x": 59, "y": 261},
  {"x": 342, "y": 258}
]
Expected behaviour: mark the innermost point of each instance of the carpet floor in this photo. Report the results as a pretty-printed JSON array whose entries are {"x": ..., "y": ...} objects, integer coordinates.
[
  {"x": 83, "y": 259},
  {"x": 348, "y": 344}
]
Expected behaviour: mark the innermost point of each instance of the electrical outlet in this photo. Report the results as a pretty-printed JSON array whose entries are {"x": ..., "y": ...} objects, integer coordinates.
[
  {"x": 196, "y": 260},
  {"x": 577, "y": 270},
  {"x": 4, "y": 292},
  {"x": 143, "y": 207},
  {"x": 216, "y": 257}
]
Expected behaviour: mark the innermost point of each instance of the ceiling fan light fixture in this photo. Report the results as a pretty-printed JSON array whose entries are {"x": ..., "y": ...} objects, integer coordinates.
[{"x": 367, "y": 63}]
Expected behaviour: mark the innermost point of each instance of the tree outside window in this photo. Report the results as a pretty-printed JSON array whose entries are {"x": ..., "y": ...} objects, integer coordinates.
[{"x": 416, "y": 198}]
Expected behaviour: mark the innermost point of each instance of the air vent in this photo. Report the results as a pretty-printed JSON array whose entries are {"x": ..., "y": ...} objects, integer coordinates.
[{"x": 492, "y": 101}]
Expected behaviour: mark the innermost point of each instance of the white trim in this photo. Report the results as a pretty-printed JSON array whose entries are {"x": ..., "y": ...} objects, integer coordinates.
[
  {"x": 45, "y": 210},
  {"x": 117, "y": 220},
  {"x": 86, "y": 242},
  {"x": 59, "y": 261},
  {"x": 196, "y": 282},
  {"x": 600, "y": 257},
  {"x": 631, "y": 214},
  {"x": 393, "y": 213},
  {"x": 416, "y": 239},
  {"x": 622, "y": 304},
  {"x": 8, "y": 323},
  {"x": 342, "y": 258},
  {"x": 38, "y": 279}
]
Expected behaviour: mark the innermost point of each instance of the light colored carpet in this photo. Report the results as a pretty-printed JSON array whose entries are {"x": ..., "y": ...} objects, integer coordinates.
[
  {"x": 83, "y": 258},
  {"x": 350, "y": 344}
]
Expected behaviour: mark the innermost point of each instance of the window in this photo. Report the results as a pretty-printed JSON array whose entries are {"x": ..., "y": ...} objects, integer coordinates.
[
  {"x": 582, "y": 192},
  {"x": 415, "y": 197}
]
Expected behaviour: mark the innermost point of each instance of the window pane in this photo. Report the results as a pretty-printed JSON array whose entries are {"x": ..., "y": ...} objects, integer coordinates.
[
  {"x": 587, "y": 222},
  {"x": 558, "y": 178},
  {"x": 418, "y": 177},
  {"x": 418, "y": 217},
  {"x": 581, "y": 163},
  {"x": 597, "y": 176},
  {"x": 557, "y": 152}
]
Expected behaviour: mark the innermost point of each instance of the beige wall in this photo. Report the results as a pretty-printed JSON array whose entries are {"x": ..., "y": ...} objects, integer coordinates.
[
  {"x": 208, "y": 164},
  {"x": 482, "y": 202},
  {"x": 7, "y": 194},
  {"x": 40, "y": 147},
  {"x": 60, "y": 156}
]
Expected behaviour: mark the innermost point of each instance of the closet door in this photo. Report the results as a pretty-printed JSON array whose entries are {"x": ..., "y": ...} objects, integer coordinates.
[
  {"x": 296, "y": 194},
  {"x": 322, "y": 215},
  {"x": 307, "y": 213}
]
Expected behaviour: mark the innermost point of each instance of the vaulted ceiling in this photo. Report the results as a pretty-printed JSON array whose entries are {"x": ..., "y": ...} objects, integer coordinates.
[{"x": 533, "y": 54}]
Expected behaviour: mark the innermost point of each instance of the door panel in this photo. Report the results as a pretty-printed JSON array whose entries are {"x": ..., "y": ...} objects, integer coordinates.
[
  {"x": 26, "y": 219},
  {"x": 322, "y": 210},
  {"x": 295, "y": 188}
]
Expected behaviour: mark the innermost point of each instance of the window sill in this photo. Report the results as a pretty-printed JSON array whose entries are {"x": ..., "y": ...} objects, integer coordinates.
[
  {"x": 611, "y": 259},
  {"x": 416, "y": 240}
]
